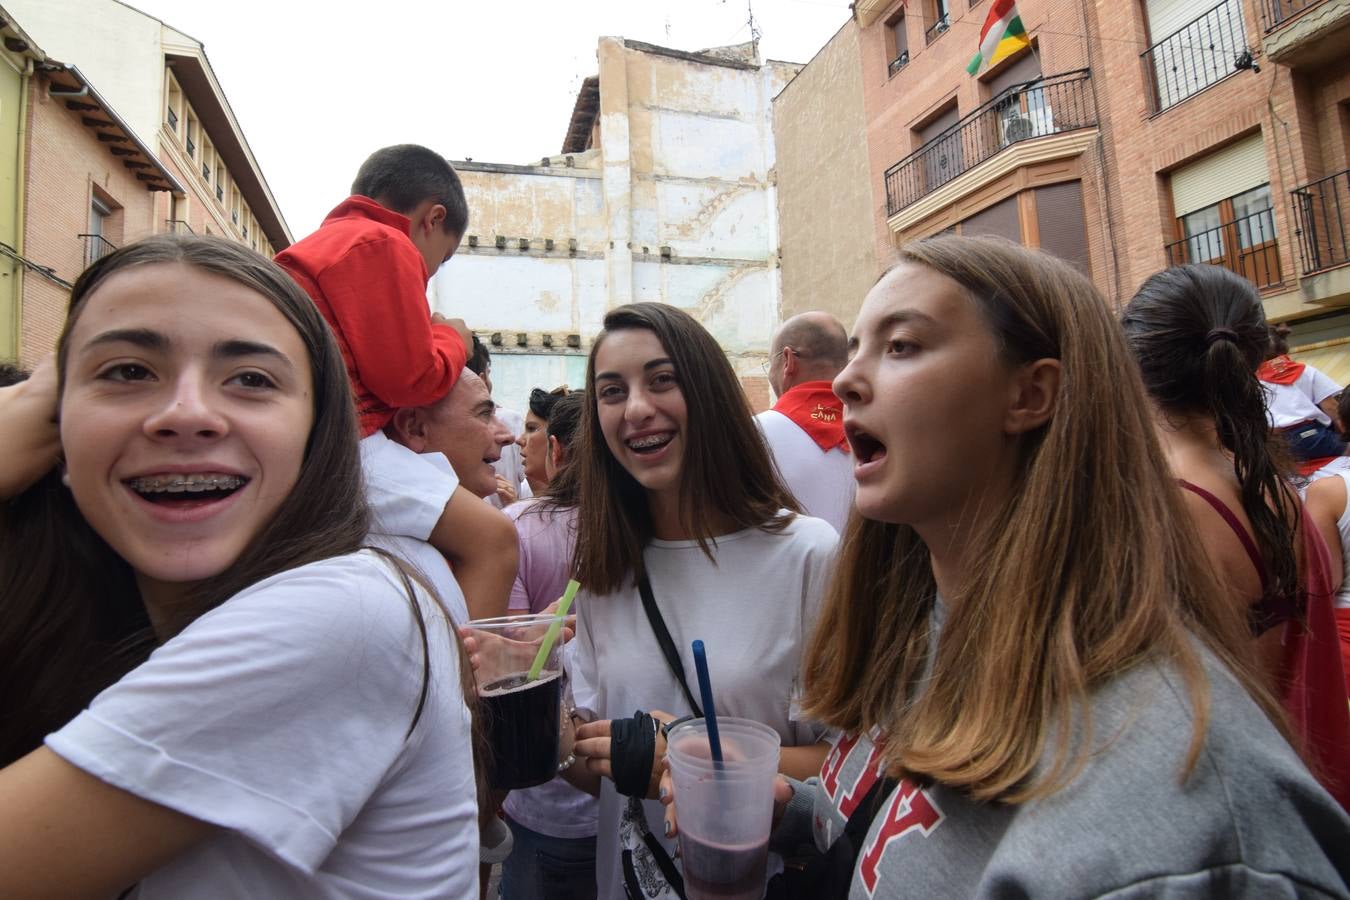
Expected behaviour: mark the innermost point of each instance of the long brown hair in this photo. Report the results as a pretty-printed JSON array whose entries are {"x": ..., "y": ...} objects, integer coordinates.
[
  {"x": 1090, "y": 567},
  {"x": 726, "y": 474},
  {"x": 1199, "y": 334},
  {"x": 74, "y": 622}
]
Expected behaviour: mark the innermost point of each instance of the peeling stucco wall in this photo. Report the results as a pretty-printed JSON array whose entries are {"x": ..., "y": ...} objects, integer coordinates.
[{"x": 676, "y": 203}]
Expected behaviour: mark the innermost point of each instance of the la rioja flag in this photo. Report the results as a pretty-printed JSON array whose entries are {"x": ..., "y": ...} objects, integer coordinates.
[{"x": 1003, "y": 35}]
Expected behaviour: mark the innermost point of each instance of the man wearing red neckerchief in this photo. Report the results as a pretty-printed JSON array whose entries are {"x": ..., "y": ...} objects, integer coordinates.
[
  {"x": 1300, "y": 401},
  {"x": 805, "y": 428}
]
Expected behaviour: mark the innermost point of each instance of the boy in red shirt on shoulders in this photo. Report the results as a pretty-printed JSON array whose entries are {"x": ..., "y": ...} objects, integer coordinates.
[{"x": 367, "y": 269}]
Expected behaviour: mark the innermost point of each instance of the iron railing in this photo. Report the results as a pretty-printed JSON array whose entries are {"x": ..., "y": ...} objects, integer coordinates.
[
  {"x": 1321, "y": 220},
  {"x": 1275, "y": 13},
  {"x": 96, "y": 246},
  {"x": 1245, "y": 245},
  {"x": 1197, "y": 56},
  {"x": 178, "y": 226},
  {"x": 1034, "y": 109},
  {"x": 939, "y": 27},
  {"x": 898, "y": 63}
]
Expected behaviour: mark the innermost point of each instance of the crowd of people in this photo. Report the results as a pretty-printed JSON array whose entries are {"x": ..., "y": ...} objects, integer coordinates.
[{"x": 1026, "y": 586}]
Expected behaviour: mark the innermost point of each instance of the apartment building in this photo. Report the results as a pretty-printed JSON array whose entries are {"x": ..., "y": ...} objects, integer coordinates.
[
  {"x": 1132, "y": 134},
  {"x": 120, "y": 130},
  {"x": 163, "y": 83}
]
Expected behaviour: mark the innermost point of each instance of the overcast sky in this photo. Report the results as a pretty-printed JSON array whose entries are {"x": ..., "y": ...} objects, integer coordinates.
[{"x": 317, "y": 85}]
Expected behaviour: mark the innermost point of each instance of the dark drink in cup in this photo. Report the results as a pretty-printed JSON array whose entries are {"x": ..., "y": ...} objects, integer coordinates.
[
  {"x": 723, "y": 871},
  {"x": 523, "y": 719}
]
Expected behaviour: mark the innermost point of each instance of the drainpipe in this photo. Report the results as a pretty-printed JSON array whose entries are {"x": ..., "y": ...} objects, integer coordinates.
[{"x": 20, "y": 196}]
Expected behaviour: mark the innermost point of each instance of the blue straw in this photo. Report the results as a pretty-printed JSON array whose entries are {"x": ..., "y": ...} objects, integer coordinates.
[{"x": 709, "y": 711}]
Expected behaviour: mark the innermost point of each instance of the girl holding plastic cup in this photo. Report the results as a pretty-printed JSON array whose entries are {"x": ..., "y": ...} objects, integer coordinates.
[
  {"x": 237, "y": 700},
  {"x": 1039, "y": 688},
  {"x": 677, "y": 489}
]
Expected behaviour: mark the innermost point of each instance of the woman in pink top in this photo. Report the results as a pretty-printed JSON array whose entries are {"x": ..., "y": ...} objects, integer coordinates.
[{"x": 1199, "y": 334}]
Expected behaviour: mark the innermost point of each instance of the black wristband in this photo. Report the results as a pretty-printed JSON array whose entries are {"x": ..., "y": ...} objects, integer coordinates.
[{"x": 632, "y": 749}]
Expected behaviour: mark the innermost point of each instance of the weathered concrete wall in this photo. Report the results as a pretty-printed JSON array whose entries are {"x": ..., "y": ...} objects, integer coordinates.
[
  {"x": 675, "y": 204},
  {"x": 825, "y": 205}
]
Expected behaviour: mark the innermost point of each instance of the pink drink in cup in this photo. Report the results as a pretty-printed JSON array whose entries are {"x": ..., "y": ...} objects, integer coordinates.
[{"x": 725, "y": 809}]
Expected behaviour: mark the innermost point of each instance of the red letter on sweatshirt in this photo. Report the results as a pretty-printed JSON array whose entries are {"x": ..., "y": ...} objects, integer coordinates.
[
  {"x": 829, "y": 772},
  {"x": 910, "y": 809}
]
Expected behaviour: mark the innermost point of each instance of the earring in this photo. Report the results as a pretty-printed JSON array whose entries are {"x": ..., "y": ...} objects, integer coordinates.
[{"x": 65, "y": 478}]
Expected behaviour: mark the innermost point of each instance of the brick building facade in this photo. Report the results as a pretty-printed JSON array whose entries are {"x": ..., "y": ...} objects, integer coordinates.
[
  {"x": 129, "y": 134},
  {"x": 1132, "y": 135},
  {"x": 90, "y": 186}
]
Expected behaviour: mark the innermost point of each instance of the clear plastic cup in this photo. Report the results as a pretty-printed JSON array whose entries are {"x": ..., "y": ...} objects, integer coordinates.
[
  {"x": 522, "y": 718},
  {"x": 725, "y": 809}
]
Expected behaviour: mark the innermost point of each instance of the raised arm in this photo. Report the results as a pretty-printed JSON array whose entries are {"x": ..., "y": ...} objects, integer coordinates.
[{"x": 32, "y": 442}]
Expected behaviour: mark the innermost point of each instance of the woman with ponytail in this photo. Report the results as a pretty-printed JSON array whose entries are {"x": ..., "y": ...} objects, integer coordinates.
[{"x": 1199, "y": 334}]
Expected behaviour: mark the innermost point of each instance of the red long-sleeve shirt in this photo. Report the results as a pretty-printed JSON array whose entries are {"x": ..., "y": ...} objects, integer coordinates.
[{"x": 370, "y": 282}]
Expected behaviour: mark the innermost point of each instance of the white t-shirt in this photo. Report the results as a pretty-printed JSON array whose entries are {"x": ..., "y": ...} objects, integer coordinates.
[
  {"x": 394, "y": 488},
  {"x": 407, "y": 491},
  {"x": 821, "y": 480},
  {"x": 1289, "y": 404},
  {"x": 753, "y": 610},
  {"x": 282, "y": 716}
]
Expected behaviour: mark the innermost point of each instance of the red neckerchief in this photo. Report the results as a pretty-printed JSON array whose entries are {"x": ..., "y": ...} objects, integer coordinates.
[
  {"x": 1280, "y": 370},
  {"x": 815, "y": 409}
]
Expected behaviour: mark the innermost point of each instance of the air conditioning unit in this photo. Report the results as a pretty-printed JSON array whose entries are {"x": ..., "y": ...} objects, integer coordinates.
[{"x": 1017, "y": 128}]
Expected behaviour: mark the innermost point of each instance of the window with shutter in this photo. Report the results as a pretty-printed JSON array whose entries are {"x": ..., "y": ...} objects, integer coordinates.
[
  {"x": 1000, "y": 219},
  {"x": 1061, "y": 224},
  {"x": 942, "y": 149}
]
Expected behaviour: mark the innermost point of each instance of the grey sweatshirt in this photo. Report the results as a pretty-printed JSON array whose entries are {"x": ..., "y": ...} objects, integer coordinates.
[{"x": 1249, "y": 821}]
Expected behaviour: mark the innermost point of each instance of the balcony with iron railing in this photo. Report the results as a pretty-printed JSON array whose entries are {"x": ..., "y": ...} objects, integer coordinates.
[
  {"x": 1275, "y": 13},
  {"x": 1023, "y": 112},
  {"x": 96, "y": 246},
  {"x": 1305, "y": 34},
  {"x": 937, "y": 29},
  {"x": 1246, "y": 245},
  {"x": 897, "y": 64},
  {"x": 1197, "y": 56},
  {"x": 1321, "y": 222}
]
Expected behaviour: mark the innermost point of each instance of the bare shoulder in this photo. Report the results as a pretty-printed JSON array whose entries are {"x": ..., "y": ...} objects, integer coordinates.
[{"x": 1326, "y": 498}]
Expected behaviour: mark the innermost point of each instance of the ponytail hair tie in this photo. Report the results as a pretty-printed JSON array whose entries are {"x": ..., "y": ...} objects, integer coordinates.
[{"x": 1220, "y": 334}]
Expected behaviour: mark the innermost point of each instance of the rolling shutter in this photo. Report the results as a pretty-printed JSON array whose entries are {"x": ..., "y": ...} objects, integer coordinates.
[
  {"x": 1000, "y": 219},
  {"x": 1059, "y": 218},
  {"x": 1236, "y": 168},
  {"x": 1166, "y": 17}
]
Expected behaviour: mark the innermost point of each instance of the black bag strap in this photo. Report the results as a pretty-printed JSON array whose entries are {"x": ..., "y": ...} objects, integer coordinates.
[
  {"x": 857, "y": 825},
  {"x": 667, "y": 644},
  {"x": 828, "y": 875}
]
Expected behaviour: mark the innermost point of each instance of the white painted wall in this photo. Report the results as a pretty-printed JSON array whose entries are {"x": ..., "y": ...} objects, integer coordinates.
[{"x": 119, "y": 48}]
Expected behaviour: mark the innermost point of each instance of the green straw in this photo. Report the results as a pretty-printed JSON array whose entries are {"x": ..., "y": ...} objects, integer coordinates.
[{"x": 568, "y": 596}]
